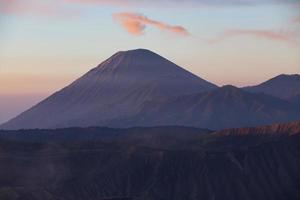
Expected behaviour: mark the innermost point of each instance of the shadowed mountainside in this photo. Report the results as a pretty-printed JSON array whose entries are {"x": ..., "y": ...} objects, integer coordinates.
[
  {"x": 221, "y": 108},
  {"x": 282, "y": 86},
  {"x": 160, "y": 163}
]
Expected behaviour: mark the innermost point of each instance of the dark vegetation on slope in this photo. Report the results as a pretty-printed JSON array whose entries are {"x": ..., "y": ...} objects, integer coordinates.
[{"x": 161, "y": 163}]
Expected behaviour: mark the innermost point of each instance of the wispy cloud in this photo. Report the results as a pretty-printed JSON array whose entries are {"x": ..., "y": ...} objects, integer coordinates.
[
  {"x": 135, "y": 24},
  {"x": 194, "y": 2},
  {"x": 275, "y": 35},
  {"x": 64, "y": 7}
]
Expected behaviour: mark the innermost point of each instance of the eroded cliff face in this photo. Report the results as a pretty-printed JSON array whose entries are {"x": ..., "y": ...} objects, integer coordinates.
[{"x": 165, "y": 163}]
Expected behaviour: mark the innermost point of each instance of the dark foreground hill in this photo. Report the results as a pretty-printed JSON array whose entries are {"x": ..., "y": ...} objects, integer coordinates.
[{"x": 161, "y": 163}]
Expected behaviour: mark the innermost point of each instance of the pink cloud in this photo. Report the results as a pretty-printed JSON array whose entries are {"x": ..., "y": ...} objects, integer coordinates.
[
  {"x": 280, "y": 35},
  {"x": 135, "y": 24}
]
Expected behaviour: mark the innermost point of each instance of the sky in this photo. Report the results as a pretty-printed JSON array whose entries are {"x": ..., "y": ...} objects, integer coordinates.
[{"x": 45, "y": 45}]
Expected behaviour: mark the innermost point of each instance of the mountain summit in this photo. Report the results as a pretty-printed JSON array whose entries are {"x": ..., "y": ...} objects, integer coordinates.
[
  {"x": 283, "y": 86},
  {"x": 111, "y": 92}
]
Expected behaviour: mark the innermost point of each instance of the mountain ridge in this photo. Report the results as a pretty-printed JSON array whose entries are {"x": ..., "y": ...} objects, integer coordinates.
[
  {"x": 284, "y": 86},
  {"x": 141, "y": 88},
  {"x": 225, "y": 107}
]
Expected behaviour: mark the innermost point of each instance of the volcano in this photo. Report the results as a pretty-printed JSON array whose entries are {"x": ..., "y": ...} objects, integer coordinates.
[{"x": 115, "y": 90}]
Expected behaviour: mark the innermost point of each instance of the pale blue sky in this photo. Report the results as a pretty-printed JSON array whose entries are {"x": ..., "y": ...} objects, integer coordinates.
[{"x": 44, "y": 46}]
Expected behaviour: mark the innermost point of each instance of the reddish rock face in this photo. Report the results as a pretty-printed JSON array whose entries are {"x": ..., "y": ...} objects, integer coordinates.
[{"x": 291, "y": 128}]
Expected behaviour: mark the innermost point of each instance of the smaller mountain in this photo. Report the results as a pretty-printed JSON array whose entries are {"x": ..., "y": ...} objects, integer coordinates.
[
  {"x": 283, "y": 86},
  {"x": 221, "y": 108}
]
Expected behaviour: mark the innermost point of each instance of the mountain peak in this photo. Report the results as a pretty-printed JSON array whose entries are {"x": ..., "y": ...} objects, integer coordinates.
[
  {"x": 284, "y": 86},
  {"x": 286, "y": 77},
  {"x": 133, "y": 61},
  {"x": 137, "y": 54},
  {"x": 229, "y": 87},
  {"x": 135, "y": 51},
  {"x": 141, "y": 65}
]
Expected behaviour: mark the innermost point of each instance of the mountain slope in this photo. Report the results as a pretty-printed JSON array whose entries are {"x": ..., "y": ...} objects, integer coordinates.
[
  {"x": 166, "y": 163},
  {"x": 296, "y": 100},
  {"x": 282, "y": 86},
  {"x": 116, "y": 89},
  {"x": 225, "y": 107}
]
